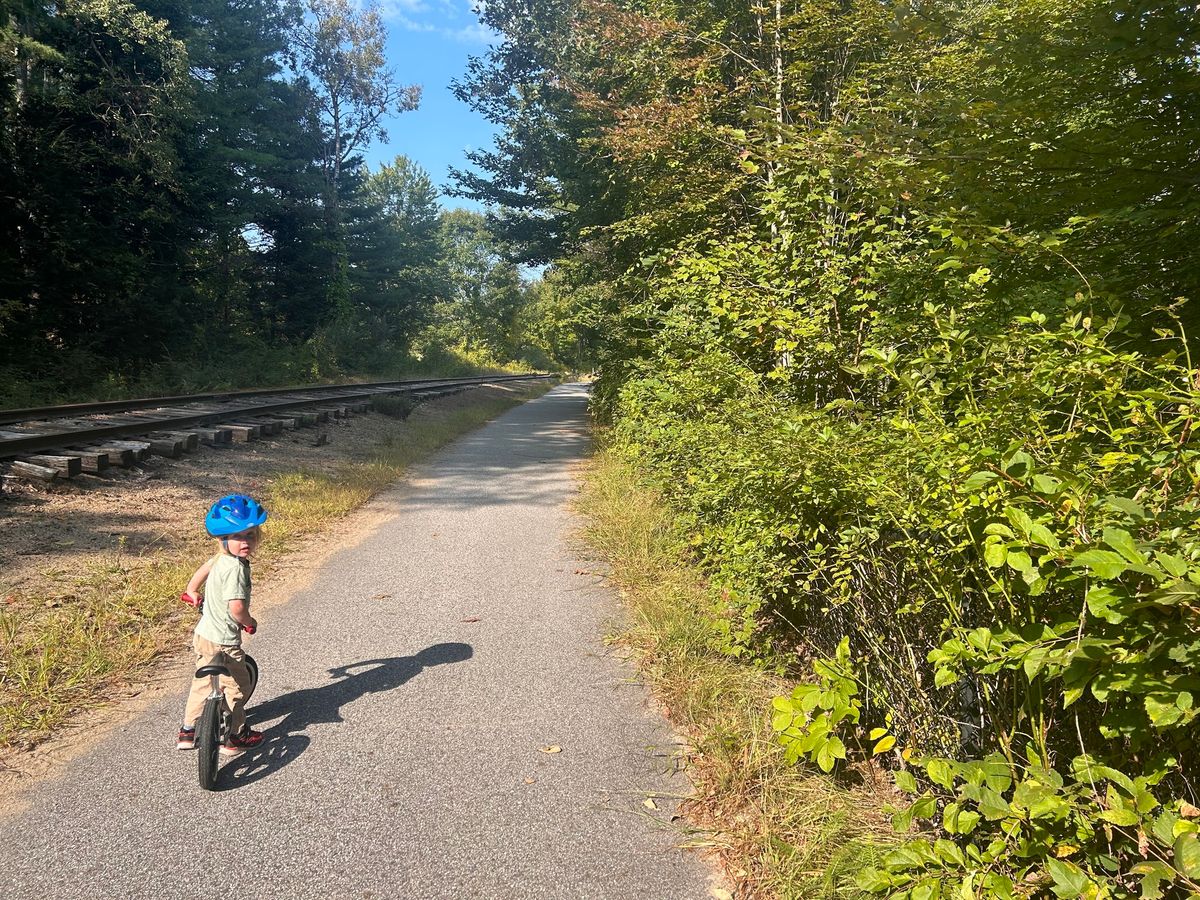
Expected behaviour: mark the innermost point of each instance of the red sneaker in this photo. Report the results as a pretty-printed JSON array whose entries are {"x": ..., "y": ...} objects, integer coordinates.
[{"x": 237, "y": 743}]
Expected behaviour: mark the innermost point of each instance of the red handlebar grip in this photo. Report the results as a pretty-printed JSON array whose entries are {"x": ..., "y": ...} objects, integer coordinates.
[
  {"x": 248, "y": 629},
  {"x": 188, "y": 600}
]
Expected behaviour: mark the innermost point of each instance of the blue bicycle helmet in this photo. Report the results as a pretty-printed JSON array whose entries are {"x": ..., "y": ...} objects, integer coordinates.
[{"x": 232, "y": 514}]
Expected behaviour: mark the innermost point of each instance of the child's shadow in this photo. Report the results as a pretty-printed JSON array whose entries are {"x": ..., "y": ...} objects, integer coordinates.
[{"x": 285, "y": 740}]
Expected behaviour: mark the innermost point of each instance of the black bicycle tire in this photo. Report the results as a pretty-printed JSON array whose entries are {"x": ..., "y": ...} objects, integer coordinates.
[
  {"x": 208, "y": 742},
  {"x": 252, "y": 665}
]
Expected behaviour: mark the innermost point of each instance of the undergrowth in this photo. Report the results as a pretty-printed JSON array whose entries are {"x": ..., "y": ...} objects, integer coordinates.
[
  {"x": 108, "y": 626},
  {"x": 781, "y": 830}
]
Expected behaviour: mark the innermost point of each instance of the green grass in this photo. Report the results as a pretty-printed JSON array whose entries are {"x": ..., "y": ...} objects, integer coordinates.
[
  {"x": 109, "y": 624},
  {"x": 781, "y": 830}
]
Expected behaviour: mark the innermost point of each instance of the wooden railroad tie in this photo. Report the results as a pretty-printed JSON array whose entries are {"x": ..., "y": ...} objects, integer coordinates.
[
  {"x": 189, "y": 442},
  {"x": 117, "y": 456},
  {"x": 214, "y": 437},
  {"x": 243, "y": 431},
  {"x": 285, "y": 420},
  {"x": 140, "y": 449},
  {"x": 93, "y": 461},
  {"x": 67, "y": 466},
  {"x": 268, "y": 426},
  {"x": 32, "y": 471}
]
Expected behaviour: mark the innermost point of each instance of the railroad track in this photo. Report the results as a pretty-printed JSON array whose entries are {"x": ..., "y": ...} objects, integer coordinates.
[{"x": 53, "y": 442}]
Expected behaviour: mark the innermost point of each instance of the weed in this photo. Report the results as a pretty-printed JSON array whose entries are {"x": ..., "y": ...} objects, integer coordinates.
[{"x": 781, "y": 830}]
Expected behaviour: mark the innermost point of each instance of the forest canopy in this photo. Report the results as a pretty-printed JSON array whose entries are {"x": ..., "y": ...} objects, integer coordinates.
[{"x": 184, "y": 200}]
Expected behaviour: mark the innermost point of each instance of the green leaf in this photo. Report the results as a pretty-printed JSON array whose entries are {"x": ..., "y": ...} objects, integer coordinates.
[
  {"x": 961, "y": 821},
  {"x": 1046, "y": 484},
  {"x": 925, "y": 807},
  {"x": 1069, "y": 879},
  {"x": 1187, "y": 855},
  {"x": 1153, "y": 875},
  {"x": 993, "y": 806},
  {"x": 1020, "y": 520},
  {"x": 829, "y": 753},
  {"x": 1044, "y": 537},
  {"x": 1175, "y": 593},
  {"x": 906, "y": 782},
  {"x": 1101, "y": 601},
  {"x": 1121, "y": 504},
  {"x": 1176, "y": 566},
  {"x": 885, "y": 744},
  {"x": 873, "y": 881},
  {"x": 1101, "y": 563},
  {"x": 1019, "y": 464},
  {"x": 995, "y": 555},
  {"x": 944, "y": 676},
  {"x": 940, "y": 773},
  {"x": 1020, "y": 561},
  {"x": 1123, "y": 817},
  {"x": 979, "y": 480},
  {"x": 1122, "y": 541},
  {"x": 1163, "y": 712}
]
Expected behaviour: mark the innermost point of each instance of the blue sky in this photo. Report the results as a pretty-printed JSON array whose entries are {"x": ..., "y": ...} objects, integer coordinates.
[{"x": 429, "y": 42}]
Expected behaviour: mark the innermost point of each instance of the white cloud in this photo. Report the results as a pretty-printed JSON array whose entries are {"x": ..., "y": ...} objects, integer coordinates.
[
  {"x": 399, "y": 9},
  {"x": 475, "y": 33},
  {"x": 412, "y": 25},
  {"x": 452, "y": 19}
]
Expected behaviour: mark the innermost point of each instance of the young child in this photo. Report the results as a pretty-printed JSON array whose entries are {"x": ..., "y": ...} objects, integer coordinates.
[{"x": 234, "y": 520}]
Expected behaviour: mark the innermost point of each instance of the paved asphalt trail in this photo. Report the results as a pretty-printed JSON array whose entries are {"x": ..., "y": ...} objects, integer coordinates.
[{"x": 400, "y": 737}]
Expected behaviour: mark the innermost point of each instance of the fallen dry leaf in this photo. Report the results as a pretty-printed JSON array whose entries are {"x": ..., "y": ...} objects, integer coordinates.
[
  {"x": 649, "y": 803},
  {"x": 381, "y": 596},
  {"x": 530, "y": 780},
  {"x": 472, "y": 619},
  {"x": 553, "y": 748}
]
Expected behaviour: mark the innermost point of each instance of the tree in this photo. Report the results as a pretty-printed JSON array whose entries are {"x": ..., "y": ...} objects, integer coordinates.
[
  {"x": 486, "y": 291},
  {"x": 95, "y": 99},
  {"x": 395, "y": 251},
  {"x": 342, "y": 48}
]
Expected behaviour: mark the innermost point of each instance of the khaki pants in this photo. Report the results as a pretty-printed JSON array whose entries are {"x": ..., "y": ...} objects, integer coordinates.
[{"x": 235, "y": 688}]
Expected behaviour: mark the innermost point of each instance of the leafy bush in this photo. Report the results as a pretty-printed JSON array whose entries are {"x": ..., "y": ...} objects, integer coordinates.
[{"x": 1008, "y": 540}]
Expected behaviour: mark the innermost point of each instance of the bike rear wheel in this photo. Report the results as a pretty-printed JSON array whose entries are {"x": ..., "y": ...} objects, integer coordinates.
[{"x": 208, "y": 741}]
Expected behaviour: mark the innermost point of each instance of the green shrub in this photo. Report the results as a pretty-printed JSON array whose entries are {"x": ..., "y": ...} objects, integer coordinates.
[{"x": 1007, "y": 536}]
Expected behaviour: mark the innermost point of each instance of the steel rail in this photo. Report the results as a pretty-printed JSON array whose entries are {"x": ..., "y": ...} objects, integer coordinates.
[
  {"x": 13, "y": 416},
  {"x": 101, "y": 430}
]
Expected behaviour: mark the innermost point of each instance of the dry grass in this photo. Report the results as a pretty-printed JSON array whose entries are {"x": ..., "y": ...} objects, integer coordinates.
[
  {"x": 781, "y": 830},
  {"x": 111, "y": 619}
]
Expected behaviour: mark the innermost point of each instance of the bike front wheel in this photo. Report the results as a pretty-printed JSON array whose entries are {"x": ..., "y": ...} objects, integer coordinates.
[{"x": 208, "y": 742}]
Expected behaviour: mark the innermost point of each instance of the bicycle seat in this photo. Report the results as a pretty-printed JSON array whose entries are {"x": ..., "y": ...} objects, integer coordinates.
[{"x": 211, "y": 669}]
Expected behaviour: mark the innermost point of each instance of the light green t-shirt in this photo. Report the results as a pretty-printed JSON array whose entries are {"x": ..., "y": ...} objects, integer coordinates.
[{"x": 228, "y": 579}]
